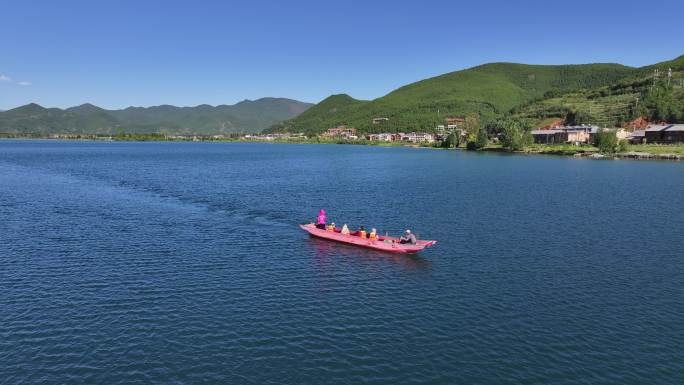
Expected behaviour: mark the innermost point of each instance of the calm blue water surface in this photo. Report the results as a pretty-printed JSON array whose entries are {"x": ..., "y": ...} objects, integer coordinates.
[{"x": 183, "y": 263}]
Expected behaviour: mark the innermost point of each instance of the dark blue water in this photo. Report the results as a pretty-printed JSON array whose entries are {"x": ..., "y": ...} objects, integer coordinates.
[{"x": 183, "y": 263}]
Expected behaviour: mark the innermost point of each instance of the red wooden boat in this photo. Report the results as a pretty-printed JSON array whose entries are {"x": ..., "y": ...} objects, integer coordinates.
[{"x": 383, "y": 243}]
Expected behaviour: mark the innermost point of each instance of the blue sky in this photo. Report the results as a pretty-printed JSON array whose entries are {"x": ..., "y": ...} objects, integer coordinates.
[{"x": 120, "y": 53}]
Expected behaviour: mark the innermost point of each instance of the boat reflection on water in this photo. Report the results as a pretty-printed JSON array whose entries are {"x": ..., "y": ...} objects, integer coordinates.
[{"x": 326, "y": 251}]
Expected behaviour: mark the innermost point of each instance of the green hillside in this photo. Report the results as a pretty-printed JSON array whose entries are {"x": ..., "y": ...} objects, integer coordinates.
[
  {"x": 490, "y": 90},
  {"x": 659, "y": 99},
  {"x": 246, "y": 116},
  {"x": 332, "y": 109},
  {"x": 676, "y": 64}
]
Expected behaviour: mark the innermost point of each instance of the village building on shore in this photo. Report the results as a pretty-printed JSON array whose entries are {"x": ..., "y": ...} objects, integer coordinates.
[
  {"x": 564, "y": 134},
  {"x": 620, "y": 133},
  {"x": 555, "y": 133},
  {"x": 384, "y": 137},
  {"x": 454, "y": 122},
  {"x": 637, "y": 137},
  {"x": 419, "y": 137},
  {"x": 276, "y": 136},
  {"x": 342, "y": 132},
  {"x": 577, "y": 135},
  {"x": 665, "y": 134},
  {"x": 413, "y": 137},
  {"x": 550, "y": 136}
]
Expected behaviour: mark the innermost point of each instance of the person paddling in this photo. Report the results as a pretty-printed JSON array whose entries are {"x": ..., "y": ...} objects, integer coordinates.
[{"x": 321, "y": 220}]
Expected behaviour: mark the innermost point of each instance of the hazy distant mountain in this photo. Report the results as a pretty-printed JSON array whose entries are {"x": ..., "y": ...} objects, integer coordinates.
[{"x": 247, "y": 116}]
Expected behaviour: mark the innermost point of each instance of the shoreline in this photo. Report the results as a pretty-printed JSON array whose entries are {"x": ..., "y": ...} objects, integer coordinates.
[
  {"x": 628, "y": 155},
  {"x": 555, "y": 150}
]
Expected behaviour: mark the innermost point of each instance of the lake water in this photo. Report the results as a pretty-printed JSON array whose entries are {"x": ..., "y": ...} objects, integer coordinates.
[{"x": 183, "y": 263}]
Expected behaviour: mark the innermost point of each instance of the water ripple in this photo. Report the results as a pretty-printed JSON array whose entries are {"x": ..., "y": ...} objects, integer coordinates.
[{"x": 182, "y": 263}]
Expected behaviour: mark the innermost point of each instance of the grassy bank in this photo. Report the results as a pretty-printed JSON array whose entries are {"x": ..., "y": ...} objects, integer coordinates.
[
  {"x": 657, "y": 149},
  {"x": 634, "y": 151},
  {"x": 560, "y": 149}
]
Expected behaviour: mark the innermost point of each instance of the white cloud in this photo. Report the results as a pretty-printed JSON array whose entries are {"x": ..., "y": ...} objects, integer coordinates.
[{"x": 5, "y": 78}]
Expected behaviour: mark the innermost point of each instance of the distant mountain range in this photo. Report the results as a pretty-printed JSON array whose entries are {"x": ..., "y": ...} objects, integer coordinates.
[
  {"x": 244, "y": 117},
  {"x": 606, "y": 94},
  {"x": 502, "y": 89}
]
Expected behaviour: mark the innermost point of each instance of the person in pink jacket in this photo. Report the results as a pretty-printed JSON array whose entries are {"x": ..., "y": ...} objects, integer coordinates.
[{"x": 321, "y": 220}]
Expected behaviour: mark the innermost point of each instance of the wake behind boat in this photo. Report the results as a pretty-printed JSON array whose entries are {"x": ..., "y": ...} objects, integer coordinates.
[{"x": 384, "y": 243}]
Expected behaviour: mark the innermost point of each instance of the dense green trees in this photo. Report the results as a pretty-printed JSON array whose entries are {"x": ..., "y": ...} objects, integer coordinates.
[
  {"x": 607, "y": 142},
  {"x": 515, "y": 134},
  {"x": 452, "y": 140},
  {"x": 476, "y": 136},
  {"x": 482, "y": 139},
  {"x": 663, "y": 103},
  {"x": 576, "y": 117}
]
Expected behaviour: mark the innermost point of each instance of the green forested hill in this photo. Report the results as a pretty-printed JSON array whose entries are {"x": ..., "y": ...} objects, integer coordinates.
[
  {"x": 332, "y": 109},
  {"x": 676, "y": 64},
  {"x": 490, "y": 90},
  {"x": 246, "y": 116},
  {"x": 659, "y": 99}
]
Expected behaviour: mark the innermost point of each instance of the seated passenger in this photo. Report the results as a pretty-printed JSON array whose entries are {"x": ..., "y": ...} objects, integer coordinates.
[
  {"x": 345, "y": 229},
  {"x": 331, "y": 227},
  {"x": 373, "y": 236},
  {"x": 408, "y": 238},
  {"x": 362, "y": 232}
]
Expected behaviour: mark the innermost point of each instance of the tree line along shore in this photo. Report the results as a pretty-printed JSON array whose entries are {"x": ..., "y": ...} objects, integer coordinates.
[{"x": 514, "y": 137}]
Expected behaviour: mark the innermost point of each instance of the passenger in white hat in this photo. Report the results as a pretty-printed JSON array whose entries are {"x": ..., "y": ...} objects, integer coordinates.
[{"x": 408, "y": 238}]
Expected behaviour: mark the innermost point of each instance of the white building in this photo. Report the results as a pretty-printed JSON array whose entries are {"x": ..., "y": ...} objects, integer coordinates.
[{"x": 419, "y": 137}]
